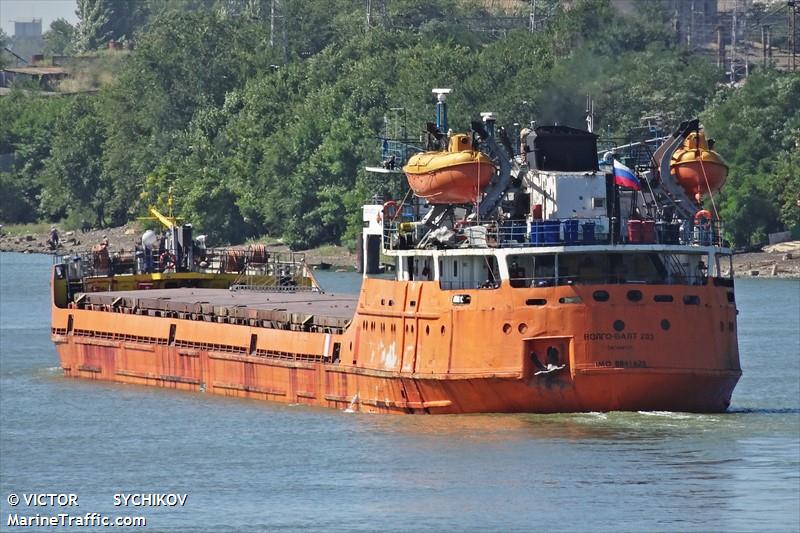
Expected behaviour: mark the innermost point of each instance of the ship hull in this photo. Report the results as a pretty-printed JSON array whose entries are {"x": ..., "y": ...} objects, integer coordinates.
[
  {"x": 408, "y": 350},
  {"x": 324, "y": 385}
]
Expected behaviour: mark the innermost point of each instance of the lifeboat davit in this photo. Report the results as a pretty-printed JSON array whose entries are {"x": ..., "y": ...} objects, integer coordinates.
[
  {"x": 697, "y": 167},
  {"x": 452, "y": 177}
]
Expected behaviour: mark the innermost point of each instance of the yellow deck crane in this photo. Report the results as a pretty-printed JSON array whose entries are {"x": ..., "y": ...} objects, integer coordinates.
[{"x": 178, "y": 249}]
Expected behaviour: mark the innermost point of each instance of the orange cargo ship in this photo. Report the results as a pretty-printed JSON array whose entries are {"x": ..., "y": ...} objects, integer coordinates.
[{"x": 546, "y": 307}]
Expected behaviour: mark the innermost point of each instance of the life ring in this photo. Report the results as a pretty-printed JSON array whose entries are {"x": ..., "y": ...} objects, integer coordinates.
[
  {"x": 703, "y": 219},
  {"x": 167, "y": 261},
  {"x": 386, "y": 206}
]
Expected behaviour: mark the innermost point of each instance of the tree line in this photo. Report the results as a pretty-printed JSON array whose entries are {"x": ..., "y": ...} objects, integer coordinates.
[{"x": 258, "y": 128}]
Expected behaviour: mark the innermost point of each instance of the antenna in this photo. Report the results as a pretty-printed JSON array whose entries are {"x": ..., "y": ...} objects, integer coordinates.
[
  {"x": 489, "y": 118},
  {"x": 441, "y": 108},
  {"x": 589, "y": 113}
]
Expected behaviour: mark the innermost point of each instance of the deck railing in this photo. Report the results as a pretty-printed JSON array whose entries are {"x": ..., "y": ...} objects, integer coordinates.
[
  {"x": 566, "y": 232},
  {"x": 255, "y": 260}
]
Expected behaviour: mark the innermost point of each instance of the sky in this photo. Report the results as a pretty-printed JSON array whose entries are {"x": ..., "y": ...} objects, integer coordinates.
[{"x": 47, "y": 10}]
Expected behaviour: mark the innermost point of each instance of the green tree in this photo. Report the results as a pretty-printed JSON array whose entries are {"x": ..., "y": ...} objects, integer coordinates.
[
  {"x": 93, "y": 29},
  {"x": 757, "y": 128},
  {"x": 126, "y": 18},
  {"x": 58, "y": 39},
  {"x": 73, "y": 179},
  {"x": 26, "y": 126},
  {"x": 3, "y": 44}
]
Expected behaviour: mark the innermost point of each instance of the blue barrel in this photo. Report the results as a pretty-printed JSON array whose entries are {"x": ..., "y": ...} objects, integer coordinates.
[
  {"x": 571, "y": 231},
  {"x": 551, "y": 231},
  {"x": 587, "y": 230}
]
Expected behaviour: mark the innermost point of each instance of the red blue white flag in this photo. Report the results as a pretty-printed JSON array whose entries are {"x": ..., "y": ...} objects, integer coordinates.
[{"x": 624, "y": 177}]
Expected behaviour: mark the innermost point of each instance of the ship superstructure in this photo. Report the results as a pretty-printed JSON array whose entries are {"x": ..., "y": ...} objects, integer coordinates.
[{"x": 531, "y": 274}]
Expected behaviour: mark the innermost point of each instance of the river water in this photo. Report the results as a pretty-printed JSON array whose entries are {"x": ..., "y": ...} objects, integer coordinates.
[{"x": 252, "y": 466}]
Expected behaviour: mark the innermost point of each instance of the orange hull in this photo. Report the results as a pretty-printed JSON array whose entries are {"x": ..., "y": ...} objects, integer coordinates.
[
  {"x": 409, "y": 350},
  {"x": 458, "y": 184}
]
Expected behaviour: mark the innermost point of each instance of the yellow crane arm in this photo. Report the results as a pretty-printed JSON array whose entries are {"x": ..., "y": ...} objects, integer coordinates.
[{"x": 169, "y": 222}]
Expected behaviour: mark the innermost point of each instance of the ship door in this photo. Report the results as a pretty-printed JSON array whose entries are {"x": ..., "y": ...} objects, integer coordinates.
[
  {"x": 408, "y": 357},
  {"x": 410, "y": 332}
]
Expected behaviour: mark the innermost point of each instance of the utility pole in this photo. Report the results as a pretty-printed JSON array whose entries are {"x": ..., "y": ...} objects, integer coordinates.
[
  {"x": 369, "y": 14},
  {"x": 272, "y": 24},
  {"x": 532, "y": 17},
  {"x": 793, "y": 5},
  {"x": 746, "y": 44},
  {"x": 733, "y": 47},
  {"x": 276, "y": 15}
]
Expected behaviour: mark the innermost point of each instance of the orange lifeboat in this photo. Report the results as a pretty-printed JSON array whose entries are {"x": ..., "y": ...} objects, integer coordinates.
[
  {"x": 697, "y": 167},
  {"x": 452, "y": 177}
]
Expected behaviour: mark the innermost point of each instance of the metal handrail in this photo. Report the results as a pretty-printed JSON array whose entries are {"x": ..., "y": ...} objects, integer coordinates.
[
  {"x": 564, "y": 232},
  {"x": 255, "y": 260}
]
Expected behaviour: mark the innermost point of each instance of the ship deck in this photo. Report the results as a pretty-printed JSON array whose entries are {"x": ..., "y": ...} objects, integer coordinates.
[{"x": 311, "y": 310}]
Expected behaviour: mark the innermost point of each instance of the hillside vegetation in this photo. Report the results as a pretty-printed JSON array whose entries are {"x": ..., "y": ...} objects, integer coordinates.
[{"x": 256, "y": 139}]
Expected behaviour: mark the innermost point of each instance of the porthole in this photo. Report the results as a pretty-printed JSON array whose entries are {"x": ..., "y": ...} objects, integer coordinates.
[
  {"x": 600, "y": 296},
  {"x": 535, "y": 301},
  {"x": 619, "y": 325},
  {"x": 691, "y": 299},
  {"x": 663, "y": 298},
  {"x": 442, "y": 330},
  {"x": 506, "y": 328},
  {"x": 427, "y": 330},
  {"x": 523, "y": 327},
  {"x": 635, "y": 295},
  {"x": 665, "y": 325}
]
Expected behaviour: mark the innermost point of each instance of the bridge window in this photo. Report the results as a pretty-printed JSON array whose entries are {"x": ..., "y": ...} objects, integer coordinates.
[
  {"x": 526, "y": 270},
  {"x": 470, "y": 272}
]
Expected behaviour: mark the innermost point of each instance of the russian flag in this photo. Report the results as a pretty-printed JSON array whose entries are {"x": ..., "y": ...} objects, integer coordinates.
[{"x": 624, "y": 177}]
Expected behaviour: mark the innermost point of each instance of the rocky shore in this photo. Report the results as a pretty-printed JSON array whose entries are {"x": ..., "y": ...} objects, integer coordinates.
[
  {"x": 776, "y": 261},
  {"x": 124, "y": 238}
]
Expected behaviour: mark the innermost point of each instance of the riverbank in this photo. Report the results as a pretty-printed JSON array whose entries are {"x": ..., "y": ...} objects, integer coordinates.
[
  {"x": 32, "y": 239},
  {"x": 776, "y": 261}
]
